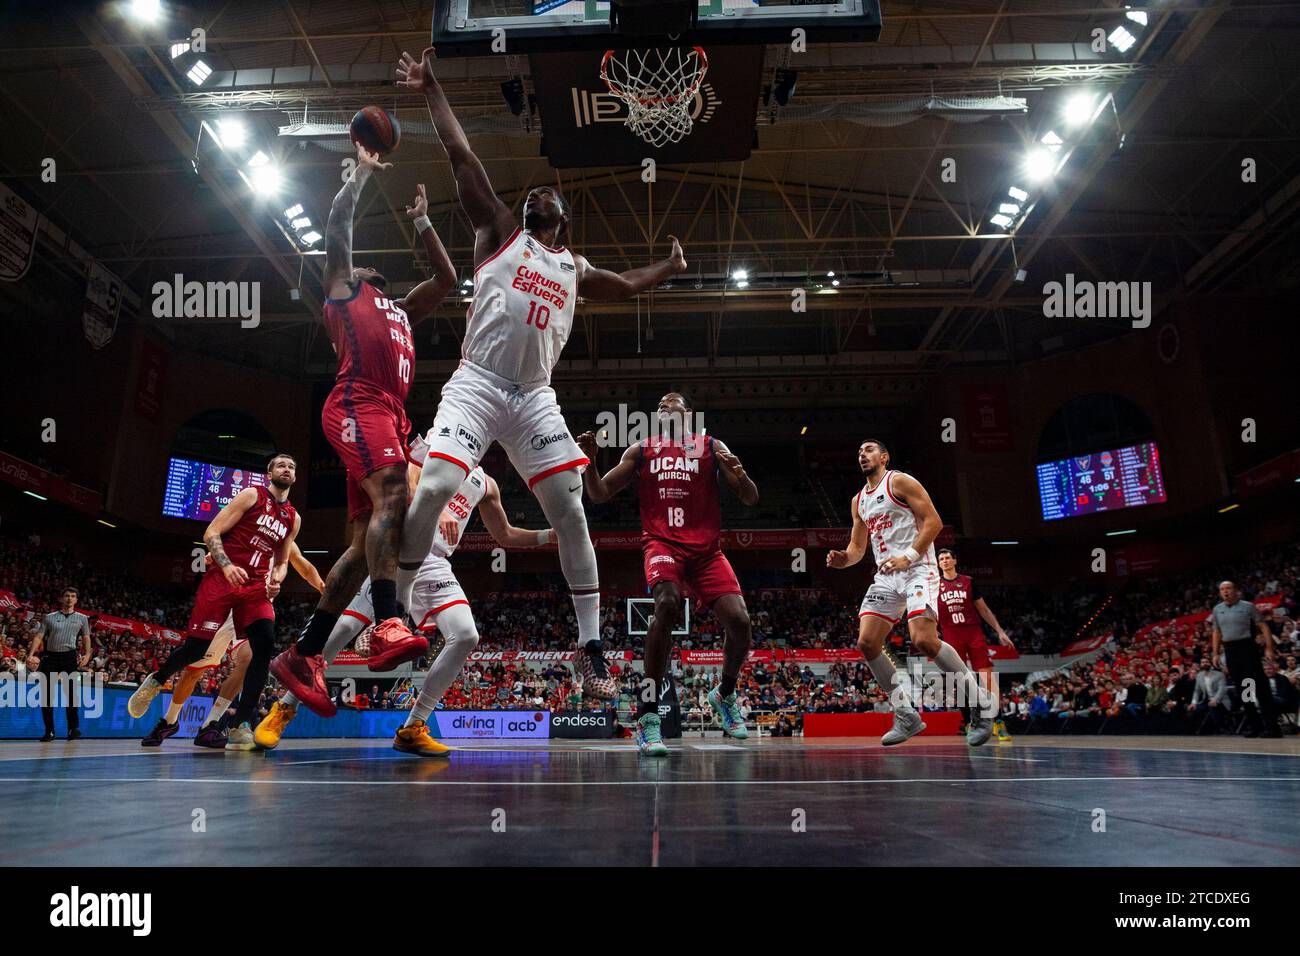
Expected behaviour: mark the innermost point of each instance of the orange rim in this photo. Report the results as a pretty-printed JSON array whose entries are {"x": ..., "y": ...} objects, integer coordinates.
[{"x": 652, "y": 101}]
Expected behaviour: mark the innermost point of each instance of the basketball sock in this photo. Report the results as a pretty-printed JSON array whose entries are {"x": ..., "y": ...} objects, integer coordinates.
[
  {"x": 316, "y": 633},
  {"x": 587, "y": 609},
  {"x": 883, "y": 670},
  {"x": 968, "y": 689},
  {"x": 439, "y": 480},
  {"x": 173, "y": 711},
  {"x": 727, "y": 686},
  {"x": 191, "y": 650},
  {"x": 456, "y": 624},
  {"x": 219, "y": 707},
  {"x": 383, "y": 594},
  {"x": 261, "y": 638}
]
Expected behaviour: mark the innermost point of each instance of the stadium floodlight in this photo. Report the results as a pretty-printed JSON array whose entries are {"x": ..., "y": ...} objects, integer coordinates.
[
  {"x": 1018, "y": 194},
  {"x": 1039, "y": 164},
  {"x": 742, "y": 284},
  {"x": 1000, "y": 220},
  {"x": 1231, "y": 507},
  {"x": 1052, "y": 141},
  {"x": 1121, "y": 39},
  {"x": 258, "y": 159},
  {"x": 740, "y": 275},
  {"x": 804, "y": 430},
  {"x": 1004, "y": 542},
  {"x": 301, "y": 223},
  {"x": 180, "y": 47},
  {"x": 266, "y": 179},
  {"x": 311, "y": 238},
  {"x": 232, "y": 132},
  {"x": 1116, "y": 534},
  {"x": 830, "y": 275},
  {"x": 106, "y": 524},
  {"x": 1009, "y": 209},
  {"x": 294, "y": 211},
  {"x": 35, "y": 495},
  {"x": 1137, "y": 16},
  {"x": 468, "y": 283},
  {"x": 1078, "y": 108},
  {"x": 199, "y": 72},
  {"x": 836, "y": 283},
  {"x": 146, "y": 11}
]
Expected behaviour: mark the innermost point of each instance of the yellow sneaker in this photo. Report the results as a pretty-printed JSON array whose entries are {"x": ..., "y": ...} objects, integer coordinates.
[
  {"x": 415, "y": 739},
  {"x": 1000, "y": 729},
  {"x": 272, "y": 727}
]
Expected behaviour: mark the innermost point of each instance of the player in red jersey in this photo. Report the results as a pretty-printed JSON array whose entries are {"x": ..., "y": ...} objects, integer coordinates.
[
  {"x": 365, "y": 422},
  {"x": 249, "y": 541},
  {"x": 959, "y": 603},
  {"x": 681, "y": 519}
]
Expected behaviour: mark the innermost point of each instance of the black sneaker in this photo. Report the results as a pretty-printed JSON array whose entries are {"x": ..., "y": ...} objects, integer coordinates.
[
  {"x": 161, "y": 731},
  {"x": 212, "y": 736},
  {"x": 593, "y": 672},
  {"x": 49, "y": 735},
  {"x": 74, "y": 734}
]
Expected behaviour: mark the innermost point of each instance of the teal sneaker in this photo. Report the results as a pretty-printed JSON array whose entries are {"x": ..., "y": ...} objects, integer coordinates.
[
  {"x": 648, "y": 740},
  {"x": 728, "y": 711}
]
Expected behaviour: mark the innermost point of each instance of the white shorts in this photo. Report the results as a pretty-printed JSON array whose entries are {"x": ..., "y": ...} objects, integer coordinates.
[
  {"x": 916, "y": 590},
  {"x": 435, "y": 590},
  {"x": 221, "y": 641},
  {"x": 479, "y": 407}
]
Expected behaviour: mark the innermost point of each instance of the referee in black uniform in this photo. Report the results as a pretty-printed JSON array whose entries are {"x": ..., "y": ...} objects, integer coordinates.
[
  {"x": 60, "y": 632},
  {"x": 1235, "y": 624}
]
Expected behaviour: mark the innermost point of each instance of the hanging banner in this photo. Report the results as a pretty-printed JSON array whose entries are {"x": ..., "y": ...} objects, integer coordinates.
[
  {"x": 988, "y": 417},
  {"x": 18, "y": 221},
  {"x": 103, "y": 304}
]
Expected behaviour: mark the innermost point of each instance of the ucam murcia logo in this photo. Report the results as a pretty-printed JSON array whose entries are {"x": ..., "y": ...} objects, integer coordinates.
[
  {"x": 590, "y": 108},
  {"x": 76, "y": 909}
]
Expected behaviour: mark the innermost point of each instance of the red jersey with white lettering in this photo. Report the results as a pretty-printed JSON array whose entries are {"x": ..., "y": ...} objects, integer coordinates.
[
  {"x": 957, "y": 602},
  {"x": 679, "y": 492},
  {"x": 372, "y": 338},
  {"x": 255, "y": 538}
]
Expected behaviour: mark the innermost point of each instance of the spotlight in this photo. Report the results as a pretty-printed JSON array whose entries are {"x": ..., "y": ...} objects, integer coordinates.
[
  {"x": 199, "y": 72},
  {"x": 301, "y": 223},
  {"x": 180, "y": 47},
  {"x": 1001, "y": 220},
  {"x": 1137, "y": 16},
  {"x": 1018, "y": 194},
  {"x": 830, "y": 275},
  {"x": 743, "y": 284},
  {"x": 1039, "y": 164},
  {"x": 1121, "y": 39},
  {"x": 294, "y": 211},
  {"x": 266, "y": 180},
  {"x": 1052, "y": 141},
  {"x": 258, "y": 159},
  {"x": 740, "y": 275},
  {"x": 146, "y": 11},
  {"x": 1009, "y": 209},
  {"x": 311, "y": 238},
  {"x": 232, "y": 133},
  {"x": 1021, "y": 276},
  {"x": 836, "y": 283},
  {"x": 1078, "y": 109},
  {"x": 783, "y": 85}
]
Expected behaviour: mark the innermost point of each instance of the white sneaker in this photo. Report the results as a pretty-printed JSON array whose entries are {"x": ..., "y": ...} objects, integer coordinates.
[
  {"x": 139, "y": 703},
  {"x": 980, "y": 728},
  {"x": 907, "y": 724},
  {"x": 241, "y": 738}
]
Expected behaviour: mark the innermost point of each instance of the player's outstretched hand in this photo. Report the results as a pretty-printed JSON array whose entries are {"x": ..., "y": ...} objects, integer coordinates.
[
  {"x": 587, "y": 442},
  {"x": 369, "y": 159},
  {"x": 677, "y": 257},
  {"x": 837, "y": 559},
  {"x": 421, "y": 204},
  {"x": 449, "y": 527},
  {"x": 416, "y": 74}
]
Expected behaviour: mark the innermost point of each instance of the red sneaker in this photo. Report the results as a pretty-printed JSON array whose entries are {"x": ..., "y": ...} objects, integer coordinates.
[
  {"x": 304, "y": 677},
  {"x": 392, "y": 644}
]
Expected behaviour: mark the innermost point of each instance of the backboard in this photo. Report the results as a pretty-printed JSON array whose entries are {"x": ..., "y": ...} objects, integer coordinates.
[{"x": 470, "y": 27}]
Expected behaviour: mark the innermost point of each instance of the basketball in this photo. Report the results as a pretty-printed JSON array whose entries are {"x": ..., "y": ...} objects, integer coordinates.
[{"x": 376, "y": 129}]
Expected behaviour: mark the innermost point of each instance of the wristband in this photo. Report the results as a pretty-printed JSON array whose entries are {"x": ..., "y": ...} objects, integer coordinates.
[
  {"x": 544, "y": 538},
  {"x": 911, "y": 555},
  {"x": 422, "y": 223}
]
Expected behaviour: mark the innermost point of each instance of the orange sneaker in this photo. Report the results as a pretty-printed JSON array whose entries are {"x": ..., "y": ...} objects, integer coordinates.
[
  {"x": 392, "y": 643},
  {"x": 415, "y": 739}
]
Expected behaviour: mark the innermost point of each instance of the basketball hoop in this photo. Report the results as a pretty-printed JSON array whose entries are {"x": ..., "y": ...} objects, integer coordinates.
[{"x": 658, "y": 86}]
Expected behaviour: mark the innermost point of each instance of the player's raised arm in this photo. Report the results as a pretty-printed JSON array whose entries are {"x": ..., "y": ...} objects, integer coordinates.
[
  {"x": 734, "y": 472},
  {"x": 338, "y": 228},
  {"x": 601, "y": 285},
  {"x": 223, "y": 522},
  {"x": 420, "y": 302},
  {"x": 858, "y": 541},
  {"x": 499, "y": 526},
  {"x": 928, "y": 522},
  {"x": 489, "y": 216},
  {"x": 602, "y": 488}
]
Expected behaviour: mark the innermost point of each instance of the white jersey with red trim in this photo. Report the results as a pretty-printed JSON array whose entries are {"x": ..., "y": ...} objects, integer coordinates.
[
  {"x": 890, "y": 522},
  {"x": 522, "y": 313},
  {"x": 462, "y": 504}
]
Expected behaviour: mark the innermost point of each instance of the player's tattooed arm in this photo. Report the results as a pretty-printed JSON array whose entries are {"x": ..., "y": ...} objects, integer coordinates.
[
  {"x": 490, "y": 217},
  {"x": 600, "y": 488},
  {"x": 499, "y": 526},
  {"x": 223, "y": 522},
  {"x": 858, "y": 541},
  {"x": 928, "y": 522},
  {"x": 338, "y": 227},
  {"x": 735, "y": 475},
  {"x": 601, "y": 285}
]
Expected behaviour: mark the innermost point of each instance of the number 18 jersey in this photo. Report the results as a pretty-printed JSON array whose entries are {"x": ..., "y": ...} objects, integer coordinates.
[{"x": 678, "y": 485}]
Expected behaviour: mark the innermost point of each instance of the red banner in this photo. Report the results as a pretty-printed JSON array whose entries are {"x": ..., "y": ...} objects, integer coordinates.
[
  {"x": 988, "y": 417},
  {"x": 1085, "y": 644},
  {"x": 1272, "y": 474},
  {"x": 9, "y": 601},
  {"x": 33, "y": 478},
  {"x": 151, "y": 379},
  {"x": 938, "y": 723}
]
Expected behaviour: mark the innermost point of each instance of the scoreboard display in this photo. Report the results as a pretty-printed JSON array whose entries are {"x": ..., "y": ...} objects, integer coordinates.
[
  {"x": 199, "y": 490},
  {"x": 1103, "y": 481}
]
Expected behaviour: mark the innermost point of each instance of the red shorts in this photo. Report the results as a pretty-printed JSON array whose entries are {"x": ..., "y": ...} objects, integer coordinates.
[
  {"x": 367, "y": 427},
  {"x": 216, "y": 599},
  {"x": 706, "y": 576},
  {"x": 969, "y": 642}
]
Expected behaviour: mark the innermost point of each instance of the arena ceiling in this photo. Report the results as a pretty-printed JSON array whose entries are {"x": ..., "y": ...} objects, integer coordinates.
[{"x": 1152, "y": 189}]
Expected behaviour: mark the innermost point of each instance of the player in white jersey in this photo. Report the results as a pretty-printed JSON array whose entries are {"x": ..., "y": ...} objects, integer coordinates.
[
  {"x": 438, "y": 601},
  {"x": 526, "y": 286},
  {"x": 895, "y": 519}
]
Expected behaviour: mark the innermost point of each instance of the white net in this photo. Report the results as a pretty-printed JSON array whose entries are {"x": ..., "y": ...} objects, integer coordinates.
[{"x": 658, "y": 86}]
